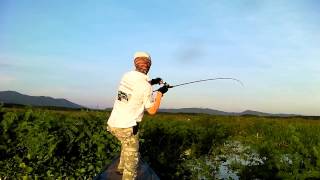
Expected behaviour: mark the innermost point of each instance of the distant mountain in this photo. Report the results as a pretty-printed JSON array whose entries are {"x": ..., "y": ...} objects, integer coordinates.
[
  {"x": 257, "y": 113},
  {"x": 12, "y": 97},
  {"x": 217, "y": 112}
]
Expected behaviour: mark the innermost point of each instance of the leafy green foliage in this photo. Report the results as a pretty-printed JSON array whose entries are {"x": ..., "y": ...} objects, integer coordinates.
[
  {"x": 42, "y": 144},
  {"x": 187, "y": 146},
  {"x": 168, "y": 143},
  {"x": 54, "y": 144}
]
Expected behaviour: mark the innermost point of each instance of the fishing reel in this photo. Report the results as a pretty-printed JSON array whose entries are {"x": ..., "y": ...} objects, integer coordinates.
[{"x": 166, "y": 84}]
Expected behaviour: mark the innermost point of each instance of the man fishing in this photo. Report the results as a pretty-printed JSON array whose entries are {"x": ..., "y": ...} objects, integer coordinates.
[{"x": 134, "y": 96}]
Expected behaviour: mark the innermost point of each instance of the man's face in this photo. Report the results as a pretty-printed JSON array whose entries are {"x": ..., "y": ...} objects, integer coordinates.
[{"x": 148, "y": 70}]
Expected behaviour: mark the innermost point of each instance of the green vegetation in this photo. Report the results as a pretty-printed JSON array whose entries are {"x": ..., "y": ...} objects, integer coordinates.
[
  {"x": 43, "y": 143},
  {"x": 39, "y": 144}
]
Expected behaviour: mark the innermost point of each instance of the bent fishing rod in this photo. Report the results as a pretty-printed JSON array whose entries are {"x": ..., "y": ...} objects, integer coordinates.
[{"x": 201, "y": 80}]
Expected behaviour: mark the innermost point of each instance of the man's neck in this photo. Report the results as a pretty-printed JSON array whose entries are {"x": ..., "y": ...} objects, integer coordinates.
[{"x": 141, "y": 72}]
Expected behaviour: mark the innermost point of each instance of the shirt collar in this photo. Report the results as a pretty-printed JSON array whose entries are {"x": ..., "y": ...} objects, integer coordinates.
[{"x": 142, "y": 75}]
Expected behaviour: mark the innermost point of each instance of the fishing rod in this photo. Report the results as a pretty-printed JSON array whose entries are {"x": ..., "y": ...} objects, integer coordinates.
[{"x": 201, "y": 80}]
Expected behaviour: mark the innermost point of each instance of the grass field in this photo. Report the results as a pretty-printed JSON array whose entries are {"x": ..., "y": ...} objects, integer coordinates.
[{"x": 39, "y": 143}]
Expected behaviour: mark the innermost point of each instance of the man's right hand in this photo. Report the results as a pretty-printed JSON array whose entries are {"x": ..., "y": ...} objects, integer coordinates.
[{"x": 163, "y": 89}]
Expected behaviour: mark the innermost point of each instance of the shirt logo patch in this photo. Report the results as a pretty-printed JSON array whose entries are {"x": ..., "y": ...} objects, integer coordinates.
[{"x": 123, "y": 97}]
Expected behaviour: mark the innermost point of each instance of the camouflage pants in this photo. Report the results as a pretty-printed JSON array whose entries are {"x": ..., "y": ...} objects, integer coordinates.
[{"x": 129, "y": 151}]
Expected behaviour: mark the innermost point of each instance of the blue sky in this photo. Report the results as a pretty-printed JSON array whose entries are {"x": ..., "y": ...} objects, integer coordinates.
[{"x": 79, "y": 50}]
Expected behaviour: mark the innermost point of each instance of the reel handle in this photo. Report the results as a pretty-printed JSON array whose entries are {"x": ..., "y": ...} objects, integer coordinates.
[{"x": 167, "y": 85}]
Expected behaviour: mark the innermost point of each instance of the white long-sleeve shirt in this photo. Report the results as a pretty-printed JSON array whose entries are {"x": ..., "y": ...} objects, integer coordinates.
[{"x": 134, "y": 96}]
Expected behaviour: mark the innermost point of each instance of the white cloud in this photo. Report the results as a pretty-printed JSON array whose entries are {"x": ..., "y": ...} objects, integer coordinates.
[{"x": 6, "y": 81}]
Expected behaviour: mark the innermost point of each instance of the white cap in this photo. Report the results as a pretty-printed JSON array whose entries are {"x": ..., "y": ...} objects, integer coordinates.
[{"x": 142, "y": 54}]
